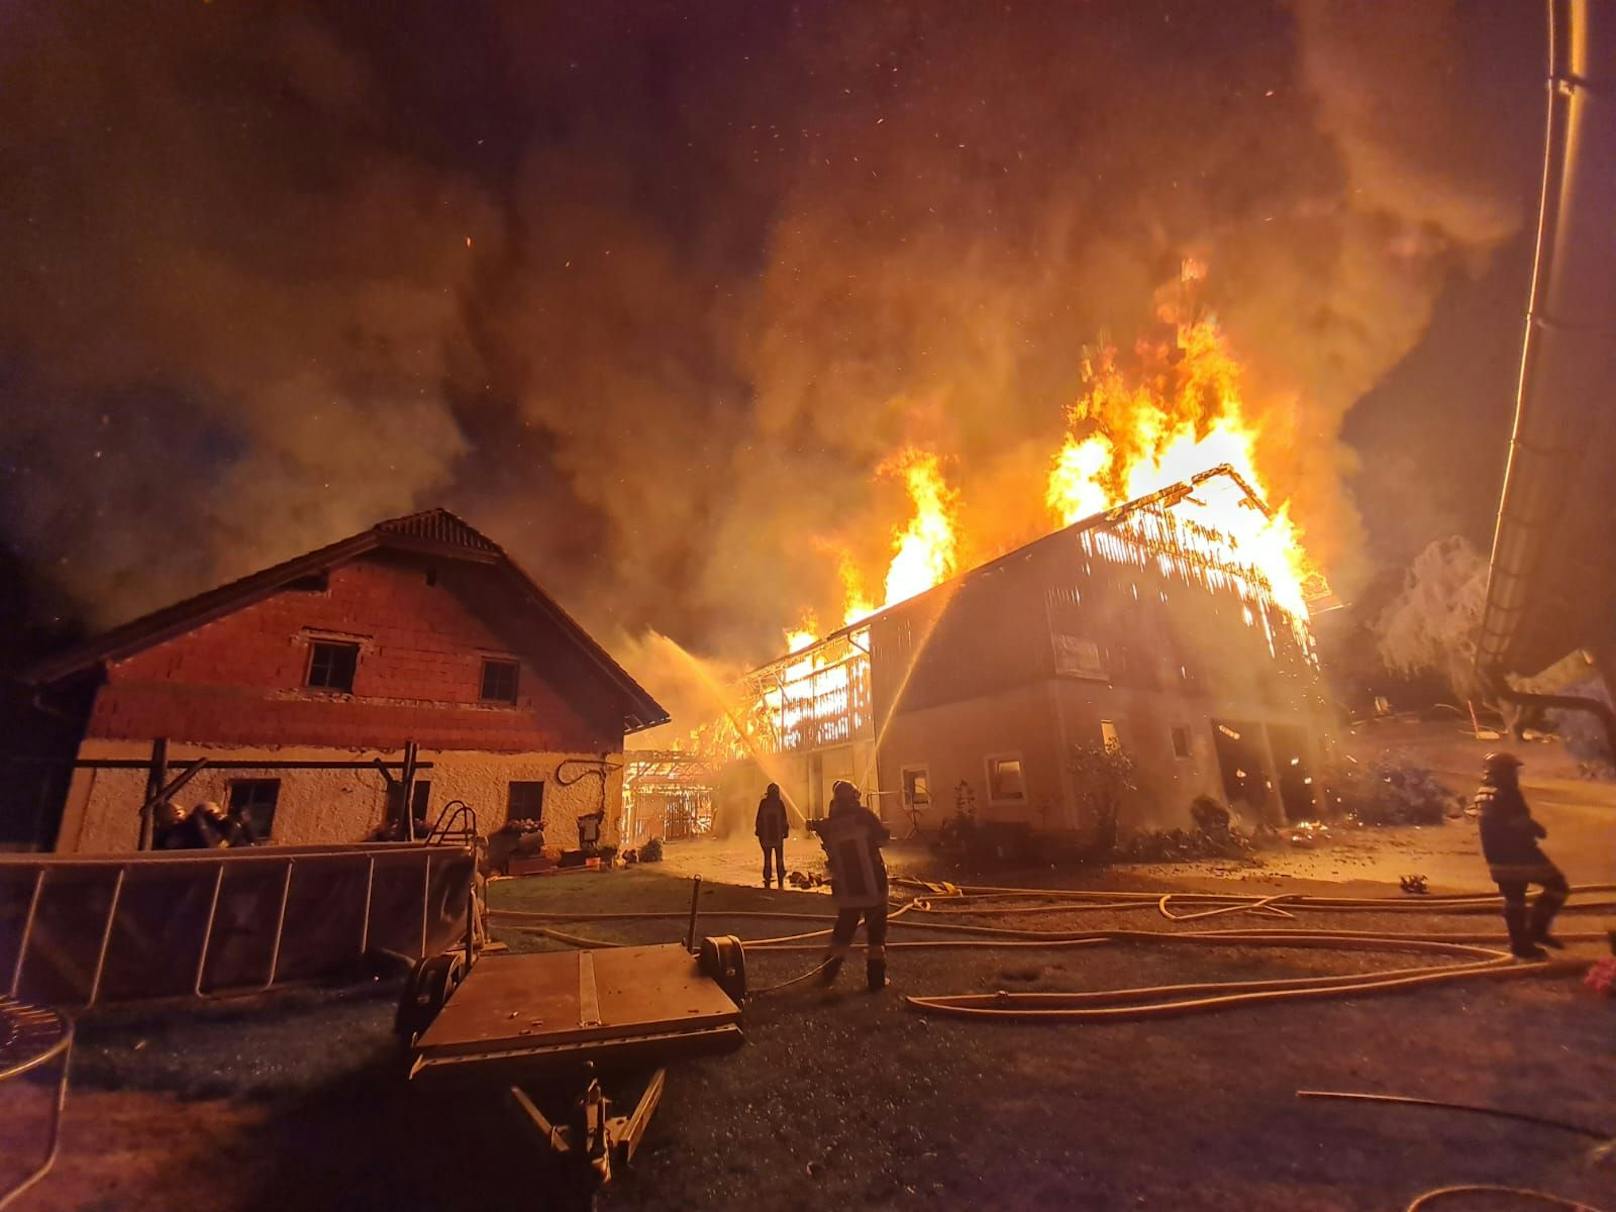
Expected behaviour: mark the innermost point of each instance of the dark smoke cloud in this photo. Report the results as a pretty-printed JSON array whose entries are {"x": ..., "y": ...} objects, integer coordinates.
[{"x": 649, "y": 291}]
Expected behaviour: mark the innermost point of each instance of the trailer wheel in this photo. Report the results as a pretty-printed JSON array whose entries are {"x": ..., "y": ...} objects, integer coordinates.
[
  {"x": 723, "y": 959},
  {"x": 426, "y": 992}
]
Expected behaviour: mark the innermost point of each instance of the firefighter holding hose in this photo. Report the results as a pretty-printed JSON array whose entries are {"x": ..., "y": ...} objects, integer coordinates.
[
  {"x": 1509, "y": 842},
  {"x": 853, "y": 836}
]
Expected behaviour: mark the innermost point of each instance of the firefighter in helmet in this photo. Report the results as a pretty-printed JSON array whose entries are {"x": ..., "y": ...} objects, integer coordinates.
[
  {"x": 853, "y": 836},
  {"x": 1509, "y": 842}
]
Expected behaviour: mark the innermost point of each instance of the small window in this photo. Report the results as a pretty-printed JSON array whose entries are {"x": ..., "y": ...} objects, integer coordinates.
[
  {"x": 916, "y": 786},
  {"x": 499, "y": 681},
  {"x": 1079, "y": 658},
  {"x": 253, "y": 802},
  {"x": 1181, "y": 742},
  {"x": 332, "y": 664},
  {"x": 526, "y": 802},
  {"x": 1005, "y": 780},
  {"x": 1109, "y": 737}
]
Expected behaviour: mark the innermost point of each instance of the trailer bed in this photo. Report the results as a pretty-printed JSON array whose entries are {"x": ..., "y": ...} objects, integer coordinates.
[{"x": 610, "y": 1007}]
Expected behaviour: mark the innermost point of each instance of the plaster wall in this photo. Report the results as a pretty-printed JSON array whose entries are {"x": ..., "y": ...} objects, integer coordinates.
[{"x": 334, "y": 807}]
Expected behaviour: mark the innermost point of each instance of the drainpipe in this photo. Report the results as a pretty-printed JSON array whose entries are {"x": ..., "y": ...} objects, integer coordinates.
[{"x": 1570, "y": 319}]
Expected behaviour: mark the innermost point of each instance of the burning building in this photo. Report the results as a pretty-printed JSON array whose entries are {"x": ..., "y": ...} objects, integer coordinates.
[{"x": 1137, "y": 628}]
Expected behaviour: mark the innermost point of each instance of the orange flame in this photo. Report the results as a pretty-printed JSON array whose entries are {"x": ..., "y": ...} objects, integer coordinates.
[
  {"x": 924, "y": 549},
  {"x": 1129, "y": 437}
]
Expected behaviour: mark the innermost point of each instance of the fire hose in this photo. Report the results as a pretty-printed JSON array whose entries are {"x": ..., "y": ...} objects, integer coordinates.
[
  {"x": 1477, "y": 961},
  {"x": 1473, "y": 959}
]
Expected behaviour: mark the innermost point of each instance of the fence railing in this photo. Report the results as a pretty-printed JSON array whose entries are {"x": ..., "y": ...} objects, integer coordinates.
[{"x": 77, "y": 931}]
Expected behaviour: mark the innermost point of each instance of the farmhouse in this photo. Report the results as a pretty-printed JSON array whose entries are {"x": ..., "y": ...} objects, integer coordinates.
[{"x": 350, "y": 693}]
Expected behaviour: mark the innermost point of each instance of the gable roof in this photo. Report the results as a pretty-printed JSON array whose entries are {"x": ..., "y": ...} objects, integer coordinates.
[
  {"x": 1162, "y": 499},
  {"x": 435, "y": 532}
]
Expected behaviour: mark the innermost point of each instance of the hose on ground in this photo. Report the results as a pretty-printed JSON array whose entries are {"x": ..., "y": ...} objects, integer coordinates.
[
  {"x": 1473, "y": 957},
  {"x": 1431, "y": 1198}
]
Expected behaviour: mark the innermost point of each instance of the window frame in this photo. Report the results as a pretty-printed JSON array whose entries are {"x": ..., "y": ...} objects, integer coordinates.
[
  {"x": 316, "y": 643},
  {"x": 262, "y": 829},
  {"x": 493, "y": 662},
  {"x": 1175, "y": 732},
  {"x": 988, "y": 764},
  {"x": 511, "y": 814},
  {"x": 906, "y": 788}
]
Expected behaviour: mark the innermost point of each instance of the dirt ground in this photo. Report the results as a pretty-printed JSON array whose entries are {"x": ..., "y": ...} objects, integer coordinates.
[
  {"x": 845, "y": 1099},
  {"x": 850, "y": 1099}
]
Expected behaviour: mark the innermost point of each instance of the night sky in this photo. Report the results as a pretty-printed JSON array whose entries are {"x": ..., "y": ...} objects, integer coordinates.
[{"x": 646, "y": 291}]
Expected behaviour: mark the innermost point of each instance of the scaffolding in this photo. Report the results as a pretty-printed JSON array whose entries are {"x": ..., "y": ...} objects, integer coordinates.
[{"x": 672, "y": 784}]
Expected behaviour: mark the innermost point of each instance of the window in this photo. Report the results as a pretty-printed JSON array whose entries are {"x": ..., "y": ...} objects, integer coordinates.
[
  {"x": 1181, "y": 742},
  {"x": 1079, "y": 658},
  {"x": 1109, "y": 737},
  {"x": 1005, "y": 780},
  {"x": 254, "y": 800},
  {"x": 916, "y": 786},
  {"x": 526, "y": 802},
  {"x": 331, "y": 665},
  {"x": 499, "y": 681}
]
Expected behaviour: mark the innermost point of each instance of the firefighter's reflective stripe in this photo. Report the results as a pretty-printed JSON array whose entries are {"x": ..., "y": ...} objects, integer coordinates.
[{"x": 850, "y": 850}]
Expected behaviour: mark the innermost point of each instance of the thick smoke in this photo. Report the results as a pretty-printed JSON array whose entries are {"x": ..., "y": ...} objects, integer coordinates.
[{"x": 648, "y": 291}]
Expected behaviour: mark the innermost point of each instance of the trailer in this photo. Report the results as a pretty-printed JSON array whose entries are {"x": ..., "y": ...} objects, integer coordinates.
[{"x": 535, "y": 1026}]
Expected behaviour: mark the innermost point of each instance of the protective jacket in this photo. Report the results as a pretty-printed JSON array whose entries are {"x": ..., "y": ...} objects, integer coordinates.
[
  {"x": 853, "y": 836},
  {"x": 772, "y": 825},
  {"x": 1509, "y": 835}
]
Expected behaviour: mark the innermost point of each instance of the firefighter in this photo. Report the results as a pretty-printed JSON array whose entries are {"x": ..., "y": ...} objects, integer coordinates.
[
  {"x": 1509, "y": 842},
  {"x": 853, "y": 836},
  {"x": 772, "y": 827}
]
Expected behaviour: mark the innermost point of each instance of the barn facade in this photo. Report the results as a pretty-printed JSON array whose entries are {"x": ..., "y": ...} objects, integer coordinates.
[{"x": 1134, "y": 630}]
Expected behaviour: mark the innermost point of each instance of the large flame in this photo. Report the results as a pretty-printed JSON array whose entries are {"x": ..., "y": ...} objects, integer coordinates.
[
  {"x": 1182, "y": 414},
  {"x": 923, "y": 549}
]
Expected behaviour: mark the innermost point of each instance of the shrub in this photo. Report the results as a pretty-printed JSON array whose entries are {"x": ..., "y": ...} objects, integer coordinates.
[
  {"x": 1391, "y": 790},
  {"x": 651, "y": 852}
]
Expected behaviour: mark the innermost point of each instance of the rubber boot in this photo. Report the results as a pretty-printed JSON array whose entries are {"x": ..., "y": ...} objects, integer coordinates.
[
  {"x": 1520, "y": 938},
  {"x": 1548, "y": 904},
  {"x": 875, "y": 969}
]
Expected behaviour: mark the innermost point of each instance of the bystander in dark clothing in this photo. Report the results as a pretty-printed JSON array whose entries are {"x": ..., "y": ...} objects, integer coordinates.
[
  {"x": 853, "y": 836},
  {"x": 1509, "y": 843},
  {"x": 772, "y": 827}
]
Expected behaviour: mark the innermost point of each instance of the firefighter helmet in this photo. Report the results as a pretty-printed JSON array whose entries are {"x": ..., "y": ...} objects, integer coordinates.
[{"x": 1500, "y": 762}]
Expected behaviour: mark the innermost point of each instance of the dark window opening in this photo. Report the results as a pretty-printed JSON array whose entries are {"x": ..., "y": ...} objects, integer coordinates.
[
  {"x": 1005, "y": 780},
  {"x": 331, "y": 665},
  {"x": 916, "y": 786},
  {"x": 315, "y": 582},
  {"x": 499, "y": 681},
  {"x": 526, "y": 802},
  {"x": 252, "y": 801},
  {"x": 1181, "y": 742}
]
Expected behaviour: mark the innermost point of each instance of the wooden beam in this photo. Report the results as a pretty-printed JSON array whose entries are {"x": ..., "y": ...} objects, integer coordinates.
[{"x": 156, "y": 776}]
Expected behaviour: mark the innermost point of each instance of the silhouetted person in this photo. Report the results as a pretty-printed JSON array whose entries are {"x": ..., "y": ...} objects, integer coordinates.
[
  {"x": 1509, "y": 842},
  {"x": 772, "y": 827},
  {"x": 853, "y": 837}
]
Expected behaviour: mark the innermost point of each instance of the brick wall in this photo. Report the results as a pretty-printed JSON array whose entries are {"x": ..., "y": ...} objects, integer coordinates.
[{"x": 423, "y": 632}]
